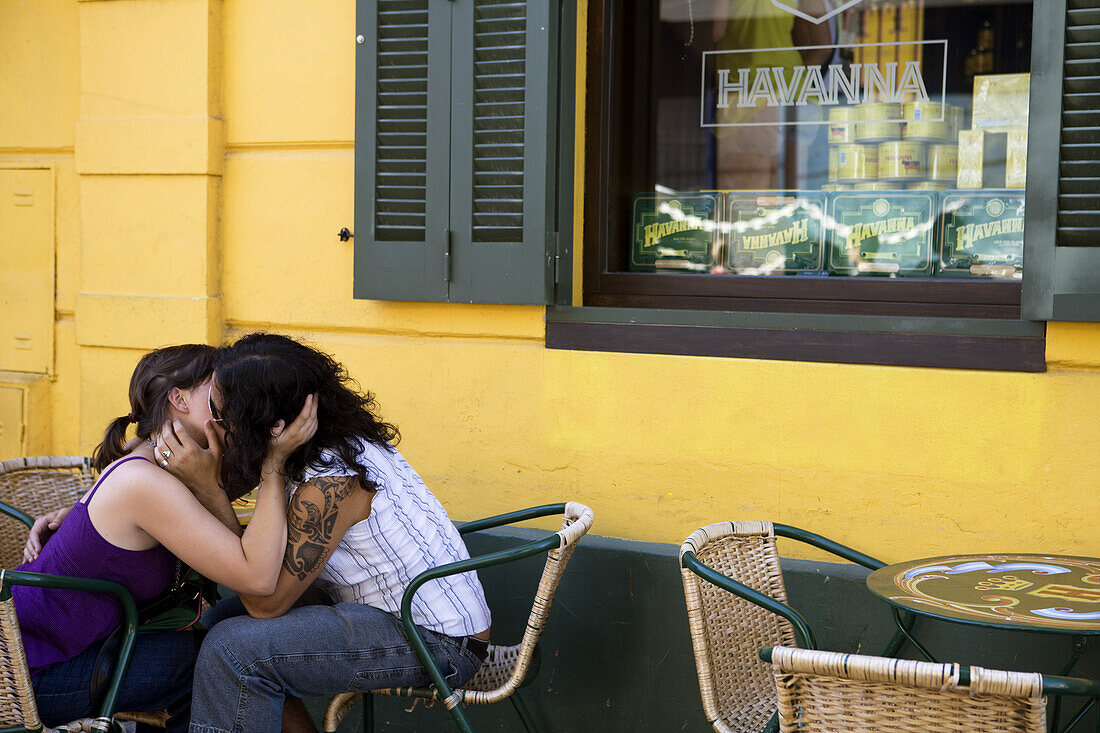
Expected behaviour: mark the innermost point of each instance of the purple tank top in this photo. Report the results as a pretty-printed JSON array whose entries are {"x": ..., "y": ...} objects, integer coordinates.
[{"x": 57, "y": 625}]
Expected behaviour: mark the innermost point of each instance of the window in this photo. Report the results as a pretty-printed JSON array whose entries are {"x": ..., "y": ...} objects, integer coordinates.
[
  {"x": 456, "y": 125},
  {"x": 672, "y": 126},
  {"x": 859, "y": 158}
]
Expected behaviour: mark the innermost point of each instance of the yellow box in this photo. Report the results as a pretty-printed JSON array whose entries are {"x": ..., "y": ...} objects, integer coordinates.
[
  {"x": 1016, "y": 163},
  {"x": 1000, "y": 102},
  {"x": 970, "y": 159}
]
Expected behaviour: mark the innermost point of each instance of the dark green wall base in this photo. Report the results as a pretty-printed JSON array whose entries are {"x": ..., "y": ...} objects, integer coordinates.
[{"x": 616, "y": 655}]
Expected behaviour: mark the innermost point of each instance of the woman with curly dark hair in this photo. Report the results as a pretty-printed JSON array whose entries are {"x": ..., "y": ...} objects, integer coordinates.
[{"x": 361, "y": 523}]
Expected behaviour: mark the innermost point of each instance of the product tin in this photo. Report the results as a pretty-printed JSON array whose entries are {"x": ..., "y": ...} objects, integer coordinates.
[
  {"x": 943, "y": 162},
  {"x": 834, "y": 187},
  {"x": 900, "y": 161},
  {"x": 775, "y": 233},
  {"x": 875, "y": 122},
  {"x": 982, "y": 234},
  {"x": 928, "y": 122},
  {"x": 840, "y": 127},
  {"x": 876, "y": 234},
  {"x": 673, "y": 232},
  {"x": 834, "y": 164},
  {"x": 857, "y": 163}
]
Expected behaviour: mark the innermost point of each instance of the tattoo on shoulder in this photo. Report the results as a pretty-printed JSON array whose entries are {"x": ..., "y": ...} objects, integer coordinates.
[{"x": 311, "y": 523}]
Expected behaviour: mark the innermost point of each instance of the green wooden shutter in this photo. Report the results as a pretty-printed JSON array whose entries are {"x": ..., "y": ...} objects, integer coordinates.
[
  {"x": 1062, "y": 271},
  {"x": 402, "y": 149},
  {"x": 503, "y": 124}
]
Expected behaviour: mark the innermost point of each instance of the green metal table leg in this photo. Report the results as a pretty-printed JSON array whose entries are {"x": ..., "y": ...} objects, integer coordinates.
[
  {"x": 1080, "y": 646},
  {"x": 1081, "y": 715},
  {"x": 905, "y": 632},
  {"x": 523, "y": 713}
]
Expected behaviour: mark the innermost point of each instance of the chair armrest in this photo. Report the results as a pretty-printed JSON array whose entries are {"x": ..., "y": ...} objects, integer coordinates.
[
  {"x": 1052, "y": 684},
  {"x": 1055, "y": 685},
  {"x": 709, "y": 574},
  {"x": 9, "y": 578},
  {"x": 511, "y": 517},
  {"x": 897, "y": 641},
  {"x": 16, "y": 514},
  {"x": 826, "y": 544}
]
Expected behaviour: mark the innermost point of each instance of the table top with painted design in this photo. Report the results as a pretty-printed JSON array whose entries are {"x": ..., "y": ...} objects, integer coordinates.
[{"x": 1051, "y": 593}]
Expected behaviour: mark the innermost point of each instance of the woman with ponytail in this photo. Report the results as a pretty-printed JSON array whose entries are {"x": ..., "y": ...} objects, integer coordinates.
[{"x": 131, "y": 527}]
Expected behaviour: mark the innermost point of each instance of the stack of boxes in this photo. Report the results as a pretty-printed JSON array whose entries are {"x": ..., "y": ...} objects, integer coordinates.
[{"x": 998, "y": 122}]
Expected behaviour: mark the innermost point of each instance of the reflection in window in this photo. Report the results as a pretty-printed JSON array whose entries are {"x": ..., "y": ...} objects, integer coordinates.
[{"x": 820, "y": 137}]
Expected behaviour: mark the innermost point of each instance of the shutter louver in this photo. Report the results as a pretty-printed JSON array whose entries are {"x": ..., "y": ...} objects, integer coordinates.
[
  {"x": 1079, "y": 173},
  {"x": 498, "y": 124},
  {"x": 402, "y": 125}
]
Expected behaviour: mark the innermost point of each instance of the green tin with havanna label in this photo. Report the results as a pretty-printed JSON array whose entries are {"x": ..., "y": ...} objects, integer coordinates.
[
  {"x": 886, "y": 234},
  {"x": 775, "y": 232},
  {"x": 674, "y": 232},
  {"x": 982, "y": 234}
]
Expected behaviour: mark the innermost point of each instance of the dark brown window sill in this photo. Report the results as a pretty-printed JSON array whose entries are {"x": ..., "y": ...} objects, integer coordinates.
[{"x": 956, "y": 344}]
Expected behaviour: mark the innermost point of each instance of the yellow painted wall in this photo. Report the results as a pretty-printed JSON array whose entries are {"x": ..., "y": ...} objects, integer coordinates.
[{"x": 213, "y": 170}]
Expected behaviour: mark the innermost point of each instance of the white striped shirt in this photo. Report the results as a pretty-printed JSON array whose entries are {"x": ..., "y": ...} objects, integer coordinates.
[{"x": 408, "y": 531}]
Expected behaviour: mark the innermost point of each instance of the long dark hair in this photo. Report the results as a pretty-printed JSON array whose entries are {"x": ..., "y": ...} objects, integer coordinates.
[
  {"x": 185, "y": 366},
  {"x": 264, "y": 378}
]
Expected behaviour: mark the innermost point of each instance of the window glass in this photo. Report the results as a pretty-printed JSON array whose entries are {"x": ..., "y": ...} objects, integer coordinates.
[{"x": 818, "y": 138}]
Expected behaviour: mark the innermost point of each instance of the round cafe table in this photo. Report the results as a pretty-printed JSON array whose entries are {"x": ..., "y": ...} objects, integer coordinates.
[{"x": 1052, "y": 593}]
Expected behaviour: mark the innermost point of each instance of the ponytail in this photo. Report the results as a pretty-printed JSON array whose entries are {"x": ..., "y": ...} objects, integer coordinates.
[
  {"x": 112, "y": 447},
  {"x": 154, "y": 377}
]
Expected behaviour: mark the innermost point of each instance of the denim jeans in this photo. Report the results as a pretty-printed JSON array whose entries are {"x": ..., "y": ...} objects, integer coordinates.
[
  {"x": 248, "y": 667},
  {"x": 159, "y": 676}
]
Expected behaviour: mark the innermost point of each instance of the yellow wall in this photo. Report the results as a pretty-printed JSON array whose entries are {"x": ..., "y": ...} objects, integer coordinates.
[{"x": 203, "y": 152}]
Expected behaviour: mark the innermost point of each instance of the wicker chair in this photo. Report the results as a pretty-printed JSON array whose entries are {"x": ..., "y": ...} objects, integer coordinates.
[
  {"x": 31, "y": 487},
  {"x": 18, "y": 711},
  {"x": 741, "y": 608},
  {"x": 36, "y": 486},
  {"x": 507, "y": 667},
  {"x": 827, "y": 691}
]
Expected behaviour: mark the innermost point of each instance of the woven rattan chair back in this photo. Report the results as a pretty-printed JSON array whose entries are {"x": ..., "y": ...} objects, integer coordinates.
[
  {"x": 36, "y": 486},
  {"x": 17, "y": 707},
  {"x": 728, "y": 632},
  {"x": 505, "y": 668},
  {"x": 827, "y": 691}
]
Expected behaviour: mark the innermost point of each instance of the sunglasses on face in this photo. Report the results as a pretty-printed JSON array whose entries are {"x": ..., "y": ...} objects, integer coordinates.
[{"x": 213, "y": 410}]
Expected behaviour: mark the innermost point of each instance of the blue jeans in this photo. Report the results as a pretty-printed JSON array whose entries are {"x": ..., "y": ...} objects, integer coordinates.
[
  {"x": 159, "y": 676},
  {"x": 248, "y": 667}
]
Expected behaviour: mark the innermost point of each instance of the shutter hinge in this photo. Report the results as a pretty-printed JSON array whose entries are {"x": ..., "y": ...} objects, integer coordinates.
[
  {"x": 446, "y": 255},
  {"x": 552, "y": 249}
]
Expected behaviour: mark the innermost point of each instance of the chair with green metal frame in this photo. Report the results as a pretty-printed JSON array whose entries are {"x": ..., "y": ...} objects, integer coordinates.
[
  {"x": 18, "y": 711},
  {"x": 742, "y": 607},
  {"x": 507, "y": 667},
  {"x": 30, "y": 480},
  {"x": 827, "y": 691},
  {"x": 37, "y": 485}
]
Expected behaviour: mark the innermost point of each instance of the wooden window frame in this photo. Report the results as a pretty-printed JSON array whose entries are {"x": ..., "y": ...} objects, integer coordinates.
[{"x": 905, "y": 322}]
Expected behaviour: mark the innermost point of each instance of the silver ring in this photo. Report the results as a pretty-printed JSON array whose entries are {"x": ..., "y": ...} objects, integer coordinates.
[
  {"x": 167, "y": 453},
  {"x": 163, "y": 463}
]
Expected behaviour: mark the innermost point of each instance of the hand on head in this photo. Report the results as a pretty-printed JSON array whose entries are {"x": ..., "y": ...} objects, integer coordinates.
[
  {"x": 285, "y": 439},
  {"x": 179, "y": 454}
]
